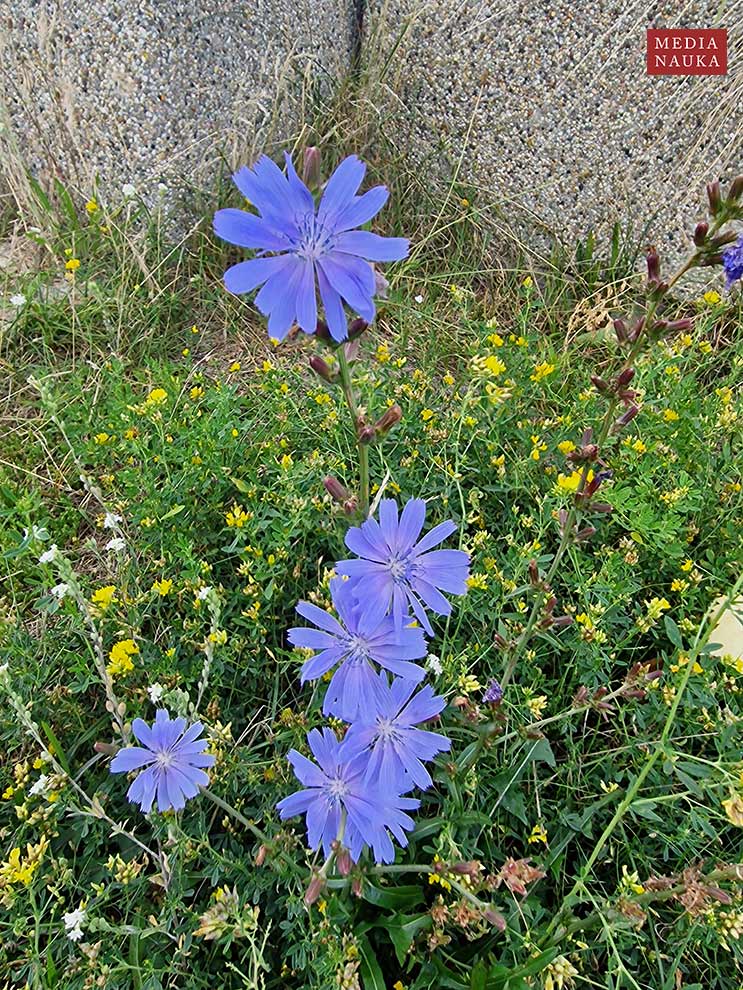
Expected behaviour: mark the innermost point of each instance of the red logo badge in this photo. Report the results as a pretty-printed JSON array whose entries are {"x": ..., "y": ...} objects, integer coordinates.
[{"x": 687, "y": 52}]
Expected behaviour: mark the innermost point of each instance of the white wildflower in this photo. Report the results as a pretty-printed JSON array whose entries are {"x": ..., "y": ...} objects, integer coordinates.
[
  {"x": 129, "y": 190},
  {"x": 111, "y": 520},
  {"x": 49, "y": 555},
  {"x": 40, "y": 787},
  {"x": 203, "y": 593},
  {"x": 117, "y": 544},
  {"x": 18, "y": 300},
  {"x": 155, "y": 692},
  {"x": 60, "y": 590},
  {"x": 434, "y": 664},
  {"x": 419, "y": 299},
  {"x": 73, "y": 922}
]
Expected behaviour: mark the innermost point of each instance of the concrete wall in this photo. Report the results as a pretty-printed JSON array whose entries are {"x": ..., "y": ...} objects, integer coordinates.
[
  {"x": 547, "y": 103},
  {"x": 139, "y": 92}
]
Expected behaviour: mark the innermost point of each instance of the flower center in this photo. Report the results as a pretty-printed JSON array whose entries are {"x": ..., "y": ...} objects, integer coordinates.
[
  {"x": 337, "y": 788},
  {"x": 386, "y": 729},
  {"x": 164, "y": 760},
  {"x": 358, "y": 649},
  {"x": 400, "y": 568},
  {"x": 314, "y": 239}
]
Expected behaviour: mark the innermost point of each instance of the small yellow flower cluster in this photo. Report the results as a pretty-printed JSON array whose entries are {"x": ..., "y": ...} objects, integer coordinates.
[
  {"x": 19, "y": 869},
  {"x": 437, "y": 878},
  {"x": 236, "y": 517},
  {"x": 571, "y": 482},
  {"x": 536, "y": 705},
  {"x": 538, "y": 834},
  {"x": 630, "y": 882},
  {"x": 654, "y": 609},
  {"x": 162, "y": 587},
  {"x": 559, "y": 974},
  {"x": 487, "y": 366},
  {"x": 120, "y": 657},
  {"x": 542, "y": 371},
  {"x": 103, "y": 598}
]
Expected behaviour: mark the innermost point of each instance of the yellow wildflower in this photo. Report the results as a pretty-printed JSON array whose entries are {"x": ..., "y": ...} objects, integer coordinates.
[
  {"x": 157, "y": 397},
  {"x": 712, "y": 297},
  {"x": 91, "y": 206},
  {"x": 734, "y": 808},
  {"x": 102, "y": 598},
  {"x": 162, "y": 587},
  {"x": 538, "y": 834},
  {"x": 542, "y": 370},
  {"x": 566, "y": 446},
  {"x": 72, "y": 265},
  {"x": 237, "y": 516},
  {"x": 121, "y": 657},
  {"x": 537, "y": 705}
]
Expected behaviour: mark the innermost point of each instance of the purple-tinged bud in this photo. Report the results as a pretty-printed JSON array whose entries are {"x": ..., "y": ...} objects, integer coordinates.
[
  {"x": 471, "y": 869},
  {"x": 585, "y": 534},
  {"x": 356, "y": 887},
  {"x": 109, "y": 749},
  {"x": 627, "y": 395},
  {"x": 533, "y": 572},
  {"x": 322, "y": 368},
  {"x": 653, "y": 675},
  {"x": 260, "y": 856},
  {"x": 700, "y": 233},
  {"x": 600, "y": 385},
  {"x": 589, "y": 452},
  {"x": 494, "y": 918},
  {"x": 343, "y": 861},
  {"x": 736, "y": 189},
  {"x": 711, "y": 259},
  {"x": 676, "y": 326},
  {"x": 581, "y": 696},
  {"x": 500, "y": 641},
  {"x": 714, "y": 198},
  {"x": 351, "y": 349},
  {"x": 367, "y": 434},
  {"x": 562, "y": 621},
  {"x": 494, "y": 692},
  {"x": 381, "y": 285},
  {"x": 315, "y": 888},
  {"x": 602, "y": 507},
  {"x": 350, "y": 506},
  {"x": 626, "y": 377},
  {"x": 636, "y": 329},
  {"x": 336, "y": 490},
  {"x": 653, "y": 262},
  {"x": 356, "y": 328},
  {"x": 549, "y": 605},
  {"x": 387, "y": 420},
  {"x": 627, "y": 416},
  {"x": 620, "y": 329},
  {"x": 722, "y": 239},
  {"x": 311, "y": 168}
]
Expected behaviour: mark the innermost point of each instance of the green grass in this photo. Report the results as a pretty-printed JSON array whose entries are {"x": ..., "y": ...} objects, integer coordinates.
[{"x": 127, "y": 374}]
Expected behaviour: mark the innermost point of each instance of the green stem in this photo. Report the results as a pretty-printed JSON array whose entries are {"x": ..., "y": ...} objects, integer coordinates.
[
  {"x": 246, "y": 823},
  {"x": 363, "y": 448}
]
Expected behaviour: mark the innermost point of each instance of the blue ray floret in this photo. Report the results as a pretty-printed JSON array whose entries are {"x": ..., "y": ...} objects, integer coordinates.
[
  {"x": 398, "y": 571},
  {"x": 398, "y": 749},
  {"x": 172, "y": 760},
  {"x": 354, "y": 643},
  {"x": 732, "y": 262},
  {"x": 337, "y": 784},
  {"x": 304, "y": 248}
]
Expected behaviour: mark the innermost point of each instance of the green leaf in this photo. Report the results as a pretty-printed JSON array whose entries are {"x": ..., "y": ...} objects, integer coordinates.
[
  {"x": 396, "y": 898},
  {"x": 176, "y": 510},
  {"x": 371, "y": 973},
  {"x": 402, "y": 932},
  {"x": 673, "y": 632},
  {"x": 56, "y": 748}
]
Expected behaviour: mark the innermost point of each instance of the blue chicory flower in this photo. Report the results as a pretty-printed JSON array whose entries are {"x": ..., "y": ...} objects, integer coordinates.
[
  {"x": 732, "y": 262},
  {"x": 398, "y": 748},
  {"x": 354, "y": 642},
  {"x": 338, "y": 785},
  {"x": 397, "y": 571},
  {"x": 173, "y": 756},
  {"x": 303, "y": 247}
]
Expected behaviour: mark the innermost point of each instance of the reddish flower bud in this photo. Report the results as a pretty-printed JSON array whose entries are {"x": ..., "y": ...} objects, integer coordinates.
[
  {"x": 315, "y": 888},
  {"x": 533, "y": 572},
  {"x": 626, "y": 377},
  {"x": 387, "y": 420},
  {"x": 677, "y": 326},
  {"x": 637, "y": 328},
  {"x": 343, "y": 861},
  {"x": 562, "y": 621},
  {"x": 585, "y": 534},
  {"x": 322, "y": 368},
  {"x": 336, "y": 490},
  {"x": 736, "y": 189},
  {"x": 356, "y": 328},
  {"x": 627, "y": 416},
  {"x": 367, "y": 434},
  {"x": 714, "y": 198},
  {"x": 653, "y": 263},
  {"x": 601, "y": 386},
  {"x": 311, "y": 168},
  {"x": 321, "y": 330},
  {"x": 500, "y": 641},
  {"x": 356, "y": 888},
  {"x": 620, "y": 328},
  {"x": 260, "y": 856},
  {"x": 602, "y": 507},
  {"x": 495, "y": 918},
  {"x": 700, "y": 233}
]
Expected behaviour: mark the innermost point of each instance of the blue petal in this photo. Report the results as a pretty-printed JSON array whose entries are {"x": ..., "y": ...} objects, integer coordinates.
[
  {"x": 307, "y": 299},
  {"x": 247, "y": 230},
  {"x": 353, "y": 279},
  {"x": 341, "y": 188},
  {"x": 131, "y": 758},
  {"x": 333, "y": 307},
  {"x": 373, "y": 247},
  {"x": 248, "y": 275},
  {"x": 362, "y": 209}
]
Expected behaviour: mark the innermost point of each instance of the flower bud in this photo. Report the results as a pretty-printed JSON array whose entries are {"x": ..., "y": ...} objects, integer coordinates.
[
  {"x": 627, "y": 416},
  {"x": 585, "y": 534},
  {"x": 722, "y": 239},
  {"x": 700, "y": 233},
  {"x": 676, "y": 326},
  {"x": 356, "y": 328},
  {"x": 714, "y": 198},
  {"x": 562, "y": 621},
  {"x": 653, "y": 263},
  {"x": 322, "y": 368},
  {"x": 736, "y": 189},
  {"x": 500, "y": 641},
  {"x": 343, "y": 861},
  {"x": 367, "y": 434},
  {"x": 381, "y": 285},
  {"x": 311, "y": 168},
  {"x": 600, "y": 385},
  {"x": 620, "y": 329},
  {"x": 602, "y": 507},
  {"x": 356, "y": 888},
  {"x": 387, "y": 420},
  {"x": 315, "y": 888},
  {"x": 260, "y": 856},
  {"x": 626, "y": 377},
  {"x": 494, "y": 918},
  {"x": 336, "y": 490},
  {"x": 321, "y": 330},
  {"x": 533, "y": 572}
]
